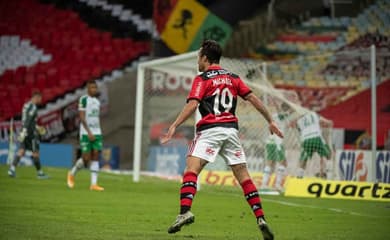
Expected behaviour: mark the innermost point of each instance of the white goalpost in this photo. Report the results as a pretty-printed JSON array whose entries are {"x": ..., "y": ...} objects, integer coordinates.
[{"x": 188, "y": 68}]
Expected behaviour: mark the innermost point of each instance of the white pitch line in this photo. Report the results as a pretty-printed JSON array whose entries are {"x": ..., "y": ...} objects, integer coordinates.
[
  {"x": 323, "y": 208},
  {"x": 292, "y": 204}
]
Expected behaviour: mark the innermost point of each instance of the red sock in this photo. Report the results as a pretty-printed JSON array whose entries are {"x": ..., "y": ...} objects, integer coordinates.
[
  {"x": 187, "y": 191},
  {"x": 252, "y": 197}
]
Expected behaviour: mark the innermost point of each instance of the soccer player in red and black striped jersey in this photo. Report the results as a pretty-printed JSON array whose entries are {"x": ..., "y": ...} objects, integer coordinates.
[{"x": 215, "y": 92}]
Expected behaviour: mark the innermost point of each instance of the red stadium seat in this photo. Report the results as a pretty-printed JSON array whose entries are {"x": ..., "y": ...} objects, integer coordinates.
[{"x": 78, "y": 52}]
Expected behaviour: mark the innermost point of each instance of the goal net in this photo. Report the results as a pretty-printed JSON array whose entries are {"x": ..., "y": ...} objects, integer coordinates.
[{"x": 164, "y": 86}]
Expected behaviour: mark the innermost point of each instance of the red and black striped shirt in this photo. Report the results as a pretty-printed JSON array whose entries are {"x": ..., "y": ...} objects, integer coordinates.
[{"x": 216, "y": 90}]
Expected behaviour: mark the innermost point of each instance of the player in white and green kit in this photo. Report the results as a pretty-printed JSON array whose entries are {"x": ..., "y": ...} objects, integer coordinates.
[
  {"x": 91, "y": 141},
  {"x": 311, "y": 142},
  {"x": 275, "y": 151}
]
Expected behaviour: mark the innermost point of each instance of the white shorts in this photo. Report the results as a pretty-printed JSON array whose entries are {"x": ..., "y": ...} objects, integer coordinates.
[{"x": 208, "y": 143}]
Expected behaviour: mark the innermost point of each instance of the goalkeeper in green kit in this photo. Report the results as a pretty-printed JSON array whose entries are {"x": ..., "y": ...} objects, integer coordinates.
[{"x": 29, "y": 137}]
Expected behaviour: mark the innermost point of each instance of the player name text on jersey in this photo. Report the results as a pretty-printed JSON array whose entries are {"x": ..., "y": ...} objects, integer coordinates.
[{"x": 219, "y": 81}]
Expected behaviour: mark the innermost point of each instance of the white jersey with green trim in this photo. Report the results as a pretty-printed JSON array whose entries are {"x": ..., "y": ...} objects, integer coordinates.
[
  {"x": 91, "y": 106},
  {"x": 281, "y": 121},
  {"x": 309, "y": 126}
]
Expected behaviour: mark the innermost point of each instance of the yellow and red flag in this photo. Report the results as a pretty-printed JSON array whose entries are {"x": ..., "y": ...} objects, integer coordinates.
[{"x": 183, "y": 24}]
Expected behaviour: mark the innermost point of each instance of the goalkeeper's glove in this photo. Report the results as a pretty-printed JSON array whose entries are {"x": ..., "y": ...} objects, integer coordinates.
[
  {"x": 22, "y": 135},
  {"x": 41, "y": 130}
]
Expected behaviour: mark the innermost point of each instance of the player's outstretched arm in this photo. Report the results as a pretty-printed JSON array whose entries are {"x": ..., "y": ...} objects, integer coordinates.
[
  {"x": 187, "y": 111},
  {"x": 256, "y": 102}
]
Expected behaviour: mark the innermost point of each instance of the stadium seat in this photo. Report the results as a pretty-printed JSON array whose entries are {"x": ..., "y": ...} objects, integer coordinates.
[
  {"x": 316, "y": 46},
  {"x": 55, "y": 49}
]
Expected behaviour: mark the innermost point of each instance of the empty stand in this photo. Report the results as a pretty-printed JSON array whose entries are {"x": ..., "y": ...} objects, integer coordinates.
[
  {"x": 330, "y": 53},
  {"x": 54, "y": 51}
]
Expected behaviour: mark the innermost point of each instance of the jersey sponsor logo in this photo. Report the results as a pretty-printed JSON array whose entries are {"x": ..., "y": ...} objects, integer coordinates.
[
  {"x": 94, "y": 113},
  {"x": 93, "y": 125},
  {"x": 314, "y": 188},
  {"x": 213, "y": 73}
]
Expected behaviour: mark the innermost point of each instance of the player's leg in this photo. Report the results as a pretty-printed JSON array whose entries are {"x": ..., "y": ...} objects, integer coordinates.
[
  {"x": 35, "y": 157},
  {"x": 83, "y": 161},
  {"x": 94, "y": 168},
  {"x": 268, "y": 169},
  {"x": 97, "y": 146},
  {"x": 324, "y": 152},
  {"x": 83, "y": 156},
  {"x": 270, "y": 164},
  {"x": 250, "y": 191},
  {"x": 79, "y": 163},
  {"x": 194, "y": 166},
  {"x": 204, "y": 149},
  {"x": 15, "y": 162},
  {"x": 38, "y": 167},
  {"x": 251, "y": 194},
  {"x": 233, "y": 153},
  {"x": 302, "y": 167},
  {"x": 306, "y": 154},
  {"x": 281, "y": 170},
  {"x": 322, "y": 173}
]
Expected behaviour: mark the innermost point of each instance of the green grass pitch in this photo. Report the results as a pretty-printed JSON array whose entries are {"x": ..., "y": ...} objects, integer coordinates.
[{"x": 47, "y": 209}]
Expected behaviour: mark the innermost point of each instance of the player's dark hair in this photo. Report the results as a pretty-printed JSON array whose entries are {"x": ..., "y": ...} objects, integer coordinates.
[
  {"x": 36, "y": 93},
  {"x": 91, "y": 82},
  {"x": 285, "y": 106},
  {"x": 212, "y": 50}
]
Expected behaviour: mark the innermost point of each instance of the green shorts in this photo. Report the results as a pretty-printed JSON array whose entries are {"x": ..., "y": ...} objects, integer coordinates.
[
  {"x": 275, "y": 153},
  {"x": 30, "y": 144},
  {"x": 312, "y": 145},
  {"x": 87, "y": 146}
]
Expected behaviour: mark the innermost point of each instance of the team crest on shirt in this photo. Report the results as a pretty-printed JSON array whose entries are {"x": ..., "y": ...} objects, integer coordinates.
[
  {"x": 238, "y": 153},
  {"x": 210, "y": 151}
]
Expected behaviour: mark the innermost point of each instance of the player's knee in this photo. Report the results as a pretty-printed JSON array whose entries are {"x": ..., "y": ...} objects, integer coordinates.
[
  {"x": 284, "y": 163},
  {"x": 193, "y": 169},
  {"x": 302, "y": 164},
  {"x": 35, "y": 154},
  {"x": 240, "y": 171},
  {"x": 21, "y": 152},
  {"x": 86, "y": 157},
  {"x": 195, "y": 164},
  {"x": 95, "y": 155}
]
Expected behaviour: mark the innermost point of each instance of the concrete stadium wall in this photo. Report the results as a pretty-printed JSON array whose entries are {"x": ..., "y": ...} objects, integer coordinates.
[{"x": 118, "y": 124}]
